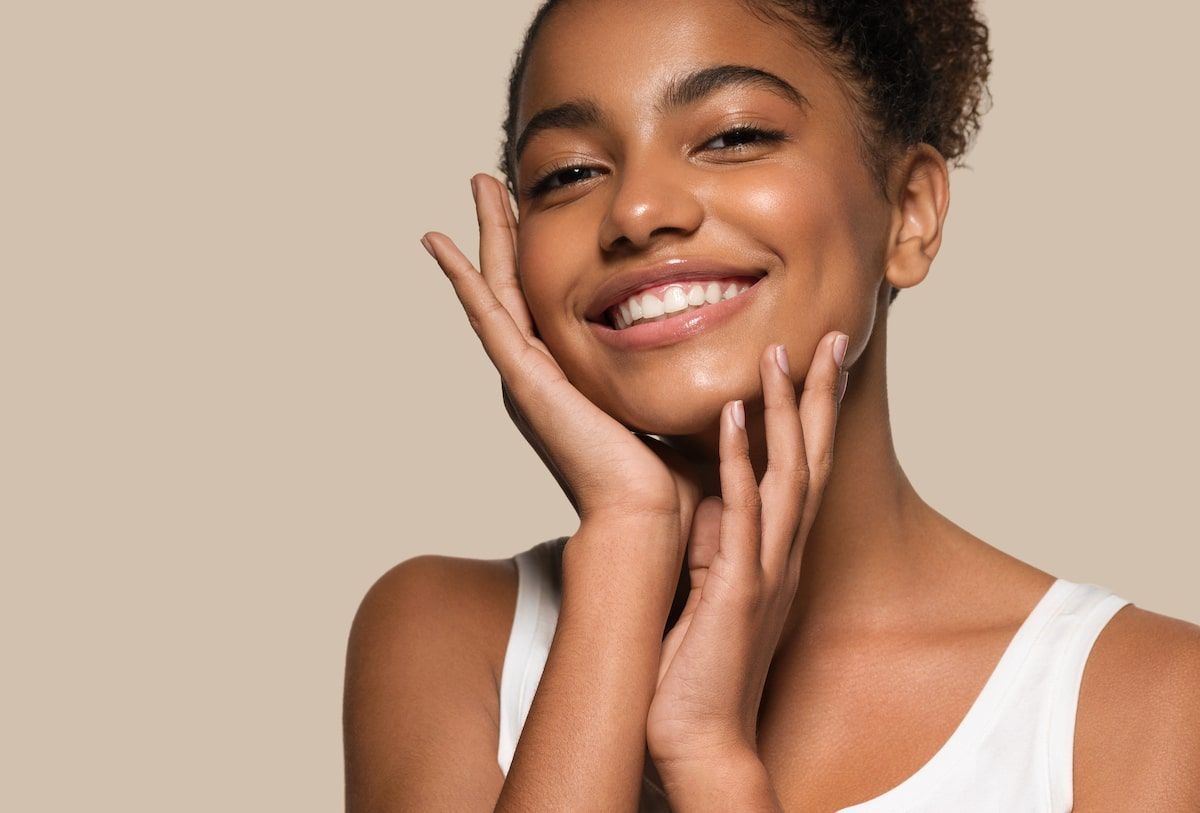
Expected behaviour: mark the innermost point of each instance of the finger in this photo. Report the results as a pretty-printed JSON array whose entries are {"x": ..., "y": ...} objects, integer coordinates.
[
  {"x": 705, "y": 538},
  {"x": 502, "y": 339},
  {"x": 509, "y": 215},
  {"x": 786, "y": 478},
  {"x": 497, "y": 248},
  {"x": 818, "y": 417},
  {"x": 739, "y": 491}
]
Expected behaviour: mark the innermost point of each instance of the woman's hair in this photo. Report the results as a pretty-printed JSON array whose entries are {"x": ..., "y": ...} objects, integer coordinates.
[{"x": 916, "y": 71}]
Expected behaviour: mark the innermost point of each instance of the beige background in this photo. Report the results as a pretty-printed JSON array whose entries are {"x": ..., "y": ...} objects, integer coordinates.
[{"x": 235, "y": 390}]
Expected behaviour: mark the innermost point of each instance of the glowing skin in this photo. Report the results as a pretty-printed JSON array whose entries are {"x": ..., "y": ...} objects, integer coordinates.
[
  {"x": 899, "y": 616},
  {"x": 803, "y": 209},
  {"x": 879, "y": 562}
]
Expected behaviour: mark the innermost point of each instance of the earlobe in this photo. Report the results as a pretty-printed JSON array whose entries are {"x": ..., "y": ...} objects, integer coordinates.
[{"x": 922, "y": 200}]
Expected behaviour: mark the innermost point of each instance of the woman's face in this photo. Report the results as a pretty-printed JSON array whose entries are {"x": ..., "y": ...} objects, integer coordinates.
[{"x": 797, "y": 215}]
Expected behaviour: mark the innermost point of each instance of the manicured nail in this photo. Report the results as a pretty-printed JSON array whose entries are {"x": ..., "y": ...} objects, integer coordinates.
[
  {"x": 841, "y": 388},
  {"x": 428, "y": 247},
  {"x": 781, "y": 358},
  {"x": 739, "y": 414},
  {"x": 839, "y": 349}
]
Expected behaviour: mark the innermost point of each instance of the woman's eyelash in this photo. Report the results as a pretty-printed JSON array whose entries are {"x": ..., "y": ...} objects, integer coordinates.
[
  {"x": 764, "y": 134},
  {"x": 543, "y": 185}
]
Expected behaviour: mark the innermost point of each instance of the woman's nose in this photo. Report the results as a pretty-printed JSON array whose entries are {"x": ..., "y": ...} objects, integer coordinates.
[{"x": 649, "y": 200}]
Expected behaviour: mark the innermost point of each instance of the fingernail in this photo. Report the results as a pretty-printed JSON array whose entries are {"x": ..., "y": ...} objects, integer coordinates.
[
  {"x": 429, "y": 246},
  {"x": 739, "y": 414},
  {"x": 839, "y": 349},
  {"x": 841, "y": 389},
  {"x": 474, "y": 189},
  {"x": 781, "y": 358}
]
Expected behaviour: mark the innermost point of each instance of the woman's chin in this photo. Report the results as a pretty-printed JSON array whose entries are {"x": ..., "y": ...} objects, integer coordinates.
[{"x": 673, "y": 419}]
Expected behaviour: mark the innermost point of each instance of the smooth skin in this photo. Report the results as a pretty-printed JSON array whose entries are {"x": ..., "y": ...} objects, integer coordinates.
[
  {"x": 743, "y": 548},
  {"x": 800, "y": 538}
]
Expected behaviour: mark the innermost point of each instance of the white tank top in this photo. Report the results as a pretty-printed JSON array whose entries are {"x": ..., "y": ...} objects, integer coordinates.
[{"x": 1012, "y": 752}]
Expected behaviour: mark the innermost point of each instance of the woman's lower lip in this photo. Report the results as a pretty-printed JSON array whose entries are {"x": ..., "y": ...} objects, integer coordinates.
[{"x": 682, "y": 325}]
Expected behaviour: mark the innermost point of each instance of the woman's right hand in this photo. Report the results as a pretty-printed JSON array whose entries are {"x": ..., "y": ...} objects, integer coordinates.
[{"x": 606, "y": 470}]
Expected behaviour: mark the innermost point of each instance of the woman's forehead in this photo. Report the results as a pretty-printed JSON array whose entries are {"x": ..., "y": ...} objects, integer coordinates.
[{"x": 626, "y": 53}]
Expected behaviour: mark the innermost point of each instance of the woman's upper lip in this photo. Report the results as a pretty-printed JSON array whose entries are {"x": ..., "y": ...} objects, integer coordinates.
[{"x": 622, "y": 285}]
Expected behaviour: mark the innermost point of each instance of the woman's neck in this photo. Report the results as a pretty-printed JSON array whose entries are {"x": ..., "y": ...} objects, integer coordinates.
[{"x": 874, "y": 542}]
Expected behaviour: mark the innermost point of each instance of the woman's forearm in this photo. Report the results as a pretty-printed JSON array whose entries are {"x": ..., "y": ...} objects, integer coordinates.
[{"x": 583, "y": 742}]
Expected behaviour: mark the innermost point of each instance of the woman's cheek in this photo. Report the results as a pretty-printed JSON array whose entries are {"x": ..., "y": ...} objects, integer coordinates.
[
  {"x": 771, "y": 205},
  {"x": 541, "y": 284}
]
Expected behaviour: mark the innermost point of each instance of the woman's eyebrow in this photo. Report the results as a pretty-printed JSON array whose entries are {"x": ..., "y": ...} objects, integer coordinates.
[
  {"x": 681, "y": 91},
  {"x": 693, "y": 87},
  {"x": 573, "y": 115}
]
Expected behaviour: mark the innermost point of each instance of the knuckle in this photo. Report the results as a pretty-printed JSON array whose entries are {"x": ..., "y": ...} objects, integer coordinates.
[
  {"x": 745, "y": 500},
  {"x": 484, "y": 313},
  {"x": 529, "y": 361},
  {"x": 490, "y": 307},
  {"x": 825, "y": 464},
  {"x": 791, "y": 468},
  {"x": 476, "y": 311},
  {"x": 539, "y": 379},
  {"x": 803, "y": 475},
  {"x": 744, "y": 592},
  {"x": 507, "y": 287},
  {"x": 779, "y": 404},
  {"x": 822, "y": 387},
  {"x": 750, "y": 604}
]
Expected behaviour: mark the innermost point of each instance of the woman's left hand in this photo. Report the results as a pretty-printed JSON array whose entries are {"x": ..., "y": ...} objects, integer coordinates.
[{"x": 744, "y": 556}]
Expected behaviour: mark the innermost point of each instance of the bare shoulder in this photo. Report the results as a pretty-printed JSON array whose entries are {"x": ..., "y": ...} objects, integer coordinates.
[
  {"x": 1137, "y": 734},
  {"x": 421, "y": 693},
  {"x": 471, "y": 600}
]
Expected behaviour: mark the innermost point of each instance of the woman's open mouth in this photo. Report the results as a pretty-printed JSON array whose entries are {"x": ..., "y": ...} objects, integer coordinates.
[{"x": 670, "y": 312}]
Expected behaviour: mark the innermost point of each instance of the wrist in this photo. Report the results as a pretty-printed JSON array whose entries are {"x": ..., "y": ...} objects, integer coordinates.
[
  {"x": 646, "y": 538},
  {"x": 735, "y": 780},
  {"x": 660, "y": 519}
]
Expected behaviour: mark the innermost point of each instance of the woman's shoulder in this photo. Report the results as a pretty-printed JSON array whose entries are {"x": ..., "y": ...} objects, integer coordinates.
[
  {"x": 1137, "y": 736},
  {"x": 466, "y": 600},
  {"x": 421, "y": 704}
]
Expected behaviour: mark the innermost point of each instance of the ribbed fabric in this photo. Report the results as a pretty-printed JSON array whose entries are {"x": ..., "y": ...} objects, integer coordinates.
[{"x": 1011, "y": 753}]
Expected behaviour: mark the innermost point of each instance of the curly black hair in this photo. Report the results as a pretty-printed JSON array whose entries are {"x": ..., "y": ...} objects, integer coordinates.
[{"x": 917, "y": 71}]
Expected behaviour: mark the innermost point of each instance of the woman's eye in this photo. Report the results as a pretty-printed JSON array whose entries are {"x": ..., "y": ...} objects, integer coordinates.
[
  {"x": 735, "y": 138},
  {"x": 566, "y": 175},
  {"x": 741, "y": 136}
]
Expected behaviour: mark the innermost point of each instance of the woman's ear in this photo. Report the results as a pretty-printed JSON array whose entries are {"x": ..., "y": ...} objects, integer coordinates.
[{"x": 922, "y": 183}]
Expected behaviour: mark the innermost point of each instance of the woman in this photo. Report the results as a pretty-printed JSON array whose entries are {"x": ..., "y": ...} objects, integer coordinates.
[{"x": 717, "y": 202}]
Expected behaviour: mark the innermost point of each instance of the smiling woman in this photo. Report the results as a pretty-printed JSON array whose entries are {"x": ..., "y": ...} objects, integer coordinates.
[{"x": 716, "y": 204}]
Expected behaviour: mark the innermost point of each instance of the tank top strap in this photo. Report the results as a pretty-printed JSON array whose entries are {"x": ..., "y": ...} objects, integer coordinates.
[
  {"x": 1011, "y": 749},
  {"x": 1088, "y": 610},
  {"x": 539, "y": 592}
]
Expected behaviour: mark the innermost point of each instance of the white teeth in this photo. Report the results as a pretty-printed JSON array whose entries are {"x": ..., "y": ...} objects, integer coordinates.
[
  {"x": 674, "y": 300},
  {"x": 652, "y": 306}
]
